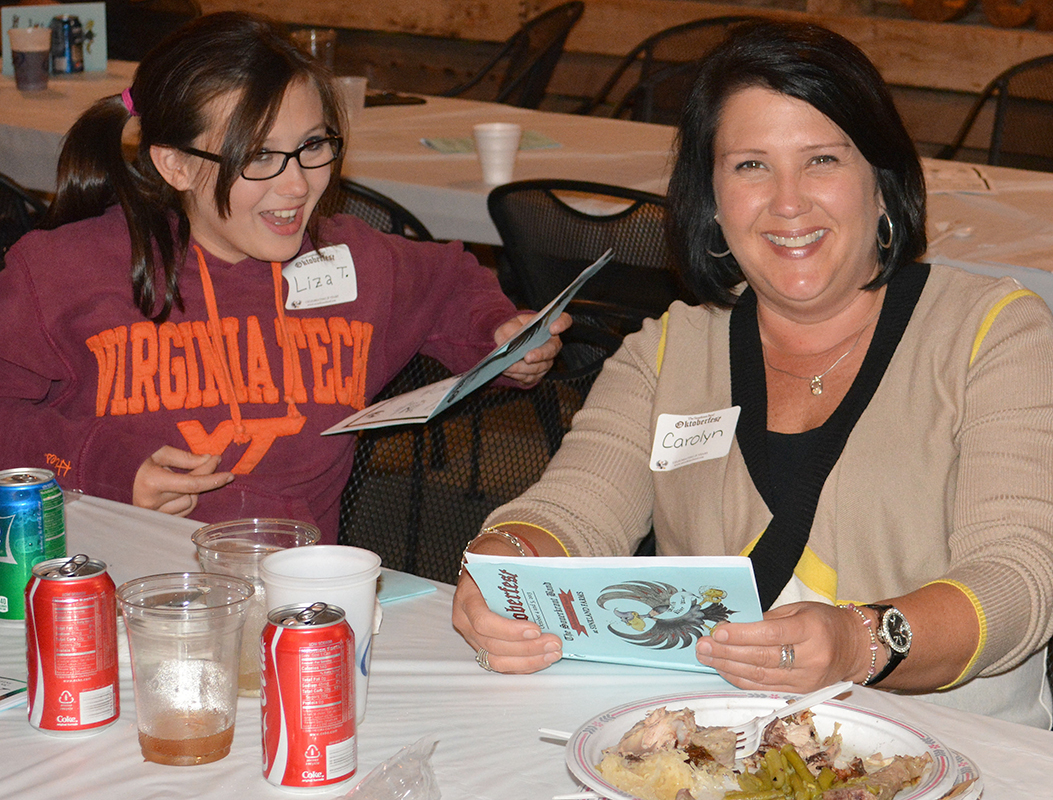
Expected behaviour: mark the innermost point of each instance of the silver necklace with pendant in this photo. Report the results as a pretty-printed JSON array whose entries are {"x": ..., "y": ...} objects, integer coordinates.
[{"x": 815, "y": 382}]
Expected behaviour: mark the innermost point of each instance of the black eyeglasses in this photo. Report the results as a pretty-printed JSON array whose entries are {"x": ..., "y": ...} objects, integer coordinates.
[{"x": 266, "y": 164}]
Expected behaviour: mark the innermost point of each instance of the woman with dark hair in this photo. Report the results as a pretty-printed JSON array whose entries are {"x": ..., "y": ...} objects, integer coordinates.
[
  {"x": 891, "y": 471},
  {"x": 189, "y": 322}
]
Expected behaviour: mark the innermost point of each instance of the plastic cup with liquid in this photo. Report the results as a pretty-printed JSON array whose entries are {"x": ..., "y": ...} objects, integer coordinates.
[
  {"x": 335, "y": 574},
  {"x": 184, "y": 634},
  {"x": 318, "y": 42},
  {"x": 238, "y": 548}
]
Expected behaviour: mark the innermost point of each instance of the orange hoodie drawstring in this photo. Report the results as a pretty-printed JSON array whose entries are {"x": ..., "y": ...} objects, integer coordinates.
[{"x": 215, "y": 338}]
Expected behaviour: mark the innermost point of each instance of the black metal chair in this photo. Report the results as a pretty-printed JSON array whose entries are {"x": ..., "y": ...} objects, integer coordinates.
[
  {"x": 379, "y": 210},
  {"x": 652, "y": 80},
  {"x": 553, "y": 228},
  {"x": 417, "y": 511},
  {"x": 1022, "y": 128},
  {"x": 20, "y": 212},
  {"x": 530, "y": 57}
]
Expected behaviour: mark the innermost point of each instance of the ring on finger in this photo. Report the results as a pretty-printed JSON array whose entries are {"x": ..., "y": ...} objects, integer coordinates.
[
  {"x": 786, "y": 657},
  {"x": 482, "y": 658}
]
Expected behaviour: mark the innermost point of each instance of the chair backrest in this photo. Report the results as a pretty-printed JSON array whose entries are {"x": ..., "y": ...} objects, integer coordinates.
[
  {"x": 418, "y": 494},
  {"x": 653, "y": 79},
  {"x": 530, "y": 57},
  {"x": 1022, "y": 127},
  {"x": 552, "y": 229},
  {"x": 378, "y": 210},
  {"x": 19, "y": 213}
]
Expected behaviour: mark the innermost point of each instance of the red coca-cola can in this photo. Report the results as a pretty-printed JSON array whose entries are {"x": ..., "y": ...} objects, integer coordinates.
[
  {"x": 71, "y": 647},
  {"x": 307, "y": 656}
]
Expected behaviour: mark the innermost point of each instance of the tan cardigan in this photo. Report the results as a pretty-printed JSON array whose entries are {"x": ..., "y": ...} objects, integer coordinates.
[{"x": 948, "y": 475}]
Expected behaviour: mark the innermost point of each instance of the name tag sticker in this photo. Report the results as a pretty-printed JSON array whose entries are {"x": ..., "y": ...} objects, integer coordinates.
[
  {"x": 323, "y": 277},
  {"x": 680, "y": 439}
]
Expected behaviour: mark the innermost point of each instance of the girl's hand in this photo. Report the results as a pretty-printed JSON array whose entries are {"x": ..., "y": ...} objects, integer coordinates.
[
  {"x": 158, "y": 486},
  {"x": 537, "y": 362}
]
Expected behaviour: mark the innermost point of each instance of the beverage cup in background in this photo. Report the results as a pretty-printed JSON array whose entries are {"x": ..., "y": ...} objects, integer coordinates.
[
  {"x": 497, "y": 144},
  {"x": 31, "y": 57},
  {"x": 184, "y": 634},
  {"x": 353, "y": 94},
  {"x": 337, "y": 574},
  {"x": 318, "y": 42},
  {"x": 238, "y": 548}
]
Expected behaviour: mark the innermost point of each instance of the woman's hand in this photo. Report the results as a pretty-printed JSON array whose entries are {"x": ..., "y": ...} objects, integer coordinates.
[
  {"x": 514, "y": 646},
  {"x": 159, "y": 487},
  {"x": 536, "y": 362},
  {"x": 829, "y": 645}
]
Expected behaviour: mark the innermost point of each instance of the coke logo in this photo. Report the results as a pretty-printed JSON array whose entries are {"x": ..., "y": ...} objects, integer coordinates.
[
  {"x": 66, "y": 720},
  {"x": 309, "y": 775},
  {"x": 66, "y": 698}
]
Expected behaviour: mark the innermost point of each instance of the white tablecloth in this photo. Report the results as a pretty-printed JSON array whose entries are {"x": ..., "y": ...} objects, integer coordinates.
[
  {"x": 424, "y": 683},
  {"x": 446, "y": 190}
]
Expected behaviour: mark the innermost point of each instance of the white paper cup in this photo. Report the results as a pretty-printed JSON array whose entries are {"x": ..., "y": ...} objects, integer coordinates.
[
  {"x": 353, "y": 92},
  {"x": 497, "y": 144},
  {"x": 336, "y": 574},
  {"x": 31, "y": 57}
]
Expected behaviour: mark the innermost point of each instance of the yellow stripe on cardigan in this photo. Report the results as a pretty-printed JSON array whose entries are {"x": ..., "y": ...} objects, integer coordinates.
[
  {"x": 661, "y": 344},
  {"x": 537, "y": 528},
  {"x": 992, "y": 315},
  {"x": 981, "y": 618},
  {"x": 811, "y": 570}
]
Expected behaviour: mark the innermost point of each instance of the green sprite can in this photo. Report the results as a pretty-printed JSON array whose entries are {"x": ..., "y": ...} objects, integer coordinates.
[{"x": 32, "y": 529}]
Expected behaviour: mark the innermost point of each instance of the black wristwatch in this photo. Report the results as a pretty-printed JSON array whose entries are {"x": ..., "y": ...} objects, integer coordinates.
[{"x": 894, "y": 632}]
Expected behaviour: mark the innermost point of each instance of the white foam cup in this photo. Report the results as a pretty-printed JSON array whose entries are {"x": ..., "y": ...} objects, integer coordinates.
[
  {"x": 337, "y": 574},
  {"x": 497, "y": 144}
]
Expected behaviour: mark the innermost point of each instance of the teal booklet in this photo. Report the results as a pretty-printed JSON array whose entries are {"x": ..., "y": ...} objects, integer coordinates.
[{"x": 644, "y": 611}]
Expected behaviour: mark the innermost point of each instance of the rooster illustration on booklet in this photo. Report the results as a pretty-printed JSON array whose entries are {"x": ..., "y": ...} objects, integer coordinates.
[
  {"x": 423, "y": 404},
  {"x": 644, "y": 611}
]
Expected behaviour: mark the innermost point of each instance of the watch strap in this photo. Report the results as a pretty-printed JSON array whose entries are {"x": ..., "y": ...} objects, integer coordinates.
[{"x": 894, "y": 657}]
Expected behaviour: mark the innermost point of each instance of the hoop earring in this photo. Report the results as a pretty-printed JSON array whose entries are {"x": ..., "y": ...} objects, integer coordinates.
[
  {"x": 727, "y": 250},
  {"x": 887, "y": 243}
]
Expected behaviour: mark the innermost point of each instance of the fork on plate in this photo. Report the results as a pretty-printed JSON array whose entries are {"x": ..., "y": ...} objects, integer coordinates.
[{"x": 748, "y": 734}]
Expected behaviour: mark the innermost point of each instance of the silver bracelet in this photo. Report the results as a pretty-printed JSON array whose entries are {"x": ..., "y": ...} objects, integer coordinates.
[{"x": 511, "y": 538}]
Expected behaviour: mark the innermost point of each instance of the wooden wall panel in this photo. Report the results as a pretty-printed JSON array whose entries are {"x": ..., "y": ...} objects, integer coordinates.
[{"x": 947, "y": 56}]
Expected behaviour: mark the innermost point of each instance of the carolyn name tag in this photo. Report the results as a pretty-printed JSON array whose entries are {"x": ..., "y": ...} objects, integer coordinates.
[
  {"x": 681, "y": 439},
  {"x": 324, "y": 277}
]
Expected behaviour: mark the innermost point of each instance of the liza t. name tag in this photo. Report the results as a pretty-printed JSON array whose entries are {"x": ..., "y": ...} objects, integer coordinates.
[
  {"x": 323, "y": 277},
  {"x": 680, "y": 439}
]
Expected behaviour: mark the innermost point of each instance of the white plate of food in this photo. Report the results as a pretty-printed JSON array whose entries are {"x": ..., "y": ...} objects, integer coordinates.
[{"x": 863, "y": 734}]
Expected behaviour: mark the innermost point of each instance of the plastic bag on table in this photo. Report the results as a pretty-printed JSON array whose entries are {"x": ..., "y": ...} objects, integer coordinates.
[{"x": 407, "y": 775}]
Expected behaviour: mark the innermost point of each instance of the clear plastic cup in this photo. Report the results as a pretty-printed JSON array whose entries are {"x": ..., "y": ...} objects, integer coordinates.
[
  {"x": 184, "y": 634},
  {"x": 335, "y": 574},
  {"x": 237, "y": 548},
  {"x": 353, "y": 91},
  {"x": 318, "y": 42}
]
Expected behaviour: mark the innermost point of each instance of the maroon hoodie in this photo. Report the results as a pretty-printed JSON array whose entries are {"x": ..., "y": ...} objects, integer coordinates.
[{"x": 89, "y": 388}]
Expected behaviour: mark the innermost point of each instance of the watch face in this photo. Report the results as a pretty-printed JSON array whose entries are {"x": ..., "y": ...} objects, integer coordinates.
[{"x": 897, "y": 630}]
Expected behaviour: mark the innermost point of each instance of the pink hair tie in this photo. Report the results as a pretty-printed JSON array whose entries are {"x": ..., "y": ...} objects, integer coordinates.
[{"x": 126, "y": 98}]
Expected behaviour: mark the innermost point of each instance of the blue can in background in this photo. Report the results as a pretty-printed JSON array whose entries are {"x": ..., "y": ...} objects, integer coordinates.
[
  {"x": 67, "y": 45},
  {"x": 32, "y": 529}
]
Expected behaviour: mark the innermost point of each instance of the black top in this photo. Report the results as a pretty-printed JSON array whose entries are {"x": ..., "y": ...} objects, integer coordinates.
[{"x": 782, "y": 544}]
